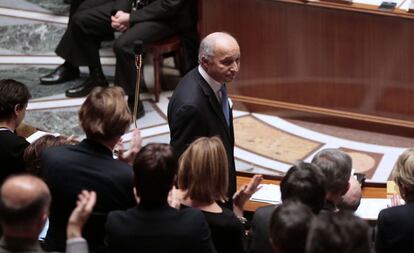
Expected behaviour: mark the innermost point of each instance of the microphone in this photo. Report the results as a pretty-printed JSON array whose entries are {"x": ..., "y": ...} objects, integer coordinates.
[{"x": 138, "y": 50}]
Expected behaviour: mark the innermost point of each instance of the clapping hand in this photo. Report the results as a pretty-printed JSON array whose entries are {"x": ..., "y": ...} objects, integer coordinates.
[
  {"x": 84, "y": 206},
  {"x": 244, "y": 193},
  {"x": 135, "y": 145}
]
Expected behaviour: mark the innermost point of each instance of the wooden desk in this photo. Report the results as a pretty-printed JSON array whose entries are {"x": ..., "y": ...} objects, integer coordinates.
[
  {"x": 322, "y": 60},
  {"x": 368, "y": 191}
]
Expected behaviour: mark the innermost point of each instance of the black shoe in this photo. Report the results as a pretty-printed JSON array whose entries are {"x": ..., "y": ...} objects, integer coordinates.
[
  {"x": 61, "y": 74},
  {"x": 140, "y": 109},
  {"x": 84, "y": 88}
]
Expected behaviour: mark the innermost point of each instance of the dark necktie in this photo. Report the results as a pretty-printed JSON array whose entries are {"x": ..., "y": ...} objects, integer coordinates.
[{"x": 225, "y": 103}]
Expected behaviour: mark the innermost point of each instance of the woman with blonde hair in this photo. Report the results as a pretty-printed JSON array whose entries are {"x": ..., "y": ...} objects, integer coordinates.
[
  {"x": 203, "y": 181},
  {"x": 395, "y": 225}
]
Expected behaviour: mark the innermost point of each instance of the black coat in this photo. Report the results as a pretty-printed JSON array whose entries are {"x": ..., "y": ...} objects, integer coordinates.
[
  {"x": 194, "y": 111},
  {"x": 395, "y": 229},
  {"x": 89, "y": 165},
  {"x": 259, "y": 236},
  {"x": 11, "y": 154},
  {"x": 159, "y": 230}
]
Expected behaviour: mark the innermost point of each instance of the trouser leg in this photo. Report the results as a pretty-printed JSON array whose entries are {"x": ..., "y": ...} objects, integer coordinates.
[
  {"x": 87, "y": 28},
  {"x": 125, "y": 71}
]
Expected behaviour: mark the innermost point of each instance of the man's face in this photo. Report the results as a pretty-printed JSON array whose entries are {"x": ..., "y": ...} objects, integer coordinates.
[{"x": 225, "y": 62}]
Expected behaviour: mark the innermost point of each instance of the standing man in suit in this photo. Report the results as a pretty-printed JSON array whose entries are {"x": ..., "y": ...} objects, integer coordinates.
[
  {"x": 14, "y": 97},
  {"x": 200, "y": 106},
  {"x": 96, "y": 20}
]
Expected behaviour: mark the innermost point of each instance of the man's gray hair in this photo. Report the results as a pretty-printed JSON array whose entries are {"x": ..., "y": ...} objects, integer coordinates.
[
  {"x": 207, "y": 44},
  {"x": 337, "y": 166}
]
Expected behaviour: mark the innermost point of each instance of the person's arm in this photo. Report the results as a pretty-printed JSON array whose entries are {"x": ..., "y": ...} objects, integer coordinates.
[
  {"x": 134, "y": 147},
  {"x": 187, "y": 126},
  {"x": 244, "y": 193},
  {"x": 84, "y": 206},
  {"x": 157, "y": 10}
]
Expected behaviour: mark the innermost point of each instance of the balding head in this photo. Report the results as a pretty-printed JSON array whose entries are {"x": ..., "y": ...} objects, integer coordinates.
[
  {"x": 24, "y": 205},
  {"x": 219, "y": 55},
  {"x": 352, "y": 197}
]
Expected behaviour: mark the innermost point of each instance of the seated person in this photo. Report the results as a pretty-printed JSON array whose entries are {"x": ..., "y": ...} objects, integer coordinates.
[
  {"x": 67, "y": 169},
  {"x": 339, "y": 232},
  {"x": 153, "y": 226},
  {"x": 336, "y": 165},
  {"x": 32, "y": 153},
  {"x": 24, "y": 207},
  {"x": 203, "y": 181},
  {"x": 289, "y": 227},
  {"x": 95, "y": 21},
  {"x": 14, "y": 97},
  {"x": 395, "y": 225},
  {"x": 352, "y": 198},
  {"x": 303, "y": 182}
]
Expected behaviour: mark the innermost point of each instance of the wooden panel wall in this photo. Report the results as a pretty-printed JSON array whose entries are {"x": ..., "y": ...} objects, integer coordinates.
[{"x": 341, "y": 60}]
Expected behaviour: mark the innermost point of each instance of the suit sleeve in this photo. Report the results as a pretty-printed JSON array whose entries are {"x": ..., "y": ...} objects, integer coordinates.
[
  {"x": 186, "y": 127},
  {"x": 122, "y": 5},
  {"x": 379, "y": 235},
  {"x": 77, "y": 245},
  {"x": 157, "y": 10}
]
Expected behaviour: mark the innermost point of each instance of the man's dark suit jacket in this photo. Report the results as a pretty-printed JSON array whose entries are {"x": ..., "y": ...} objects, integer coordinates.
[
  {"x": 194, "y": 111},
  {"x": 11, "y": 153},
  {"x": 395, "y": 229},
  {"x": 159, "y": 230},
  {"x": 89, "y": 165},
  {"x": 259, "y": 236}
]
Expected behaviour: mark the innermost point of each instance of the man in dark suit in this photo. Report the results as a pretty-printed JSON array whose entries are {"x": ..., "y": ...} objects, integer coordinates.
[
  {"x": 96, "y": 20},
  {"x": 303, "y": 182},
  {"x": 14, "y": 97},
  {"x": 199, "y": 105},
  {"x": 153, "y": 226},
  {"x": 90, "y": 165}
]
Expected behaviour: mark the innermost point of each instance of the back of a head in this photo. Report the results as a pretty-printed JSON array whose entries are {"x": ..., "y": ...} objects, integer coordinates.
[
  {"x": 105, "y": 114},
  {"x": 289, "y": 227},
  {"x": 33, "y": 152},
  {"x": 203, "y": 170},
  {"x": 12, "y": 93},
  {"x": 403, "y": 174},
  {"x": 336, "y": 166},
  {"x": 339, "y": 232},
  {"x": 155, "y": 168},
  {"x": 24, "y": 200},
  {"x": 306, "y": 183}
]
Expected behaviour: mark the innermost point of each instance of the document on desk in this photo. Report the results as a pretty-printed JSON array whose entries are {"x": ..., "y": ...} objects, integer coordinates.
[
  {"x": 402, "y": 4},
  {"x": 36, "y": 135},
  {"x": 370, "y": 208},
  {"x": 267, "y": 193}
]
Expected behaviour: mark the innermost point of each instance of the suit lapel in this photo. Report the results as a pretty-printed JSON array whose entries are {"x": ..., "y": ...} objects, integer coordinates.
[{"x": 214, "y": 103}]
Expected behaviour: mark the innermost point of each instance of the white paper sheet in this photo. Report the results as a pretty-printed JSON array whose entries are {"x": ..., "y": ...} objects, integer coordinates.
[
  {"x": 267, "y": 193},
  {"x": 39, "y": 134}
]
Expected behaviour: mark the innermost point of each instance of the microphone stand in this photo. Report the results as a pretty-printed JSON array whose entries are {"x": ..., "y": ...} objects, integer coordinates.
[{"x": 138, "y": 49}]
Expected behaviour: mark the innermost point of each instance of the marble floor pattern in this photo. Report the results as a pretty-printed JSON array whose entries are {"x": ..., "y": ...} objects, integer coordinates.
[{"x": 265, "y": 144}]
